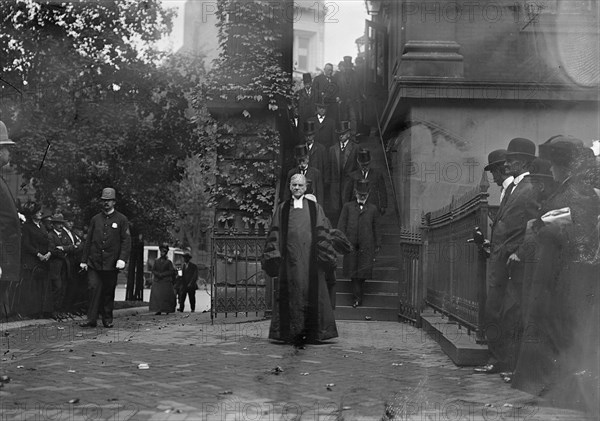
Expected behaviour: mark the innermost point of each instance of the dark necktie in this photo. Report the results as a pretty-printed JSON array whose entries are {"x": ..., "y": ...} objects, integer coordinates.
[
  {"x": 364, "y": 174},
  {"x": 509, "y": 191}
]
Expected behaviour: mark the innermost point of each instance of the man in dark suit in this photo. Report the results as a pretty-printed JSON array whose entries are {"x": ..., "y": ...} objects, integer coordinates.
[
  {"x": 505, "y": 276},
  {"x": 342, "y": 162},
  {"x": 359, "y": 221},
  {"x": 306, "y": 100},
  {"x": 59, "y": 246},
  {"x": 348, "y": 93},
  {"x": 313, "y": 176},
  {"x": 10, "y": 228},
  {"x": 324, "y": 126},
  {"x": 378, "y": 193},
  {"x": 72, "y": 258},
  {"x": 317, "y": 153},
  {"x": 186, "y": 282},
  {"x": 106, "y": 250},
  {"x": 327, "y": 90}
]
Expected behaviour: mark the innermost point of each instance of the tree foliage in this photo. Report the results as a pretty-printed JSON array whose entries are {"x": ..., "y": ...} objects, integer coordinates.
[{"x": 85, "y": 78}]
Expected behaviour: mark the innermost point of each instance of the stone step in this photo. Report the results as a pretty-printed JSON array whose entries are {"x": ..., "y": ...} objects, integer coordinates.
[
  {"x": 378, "y": 300},
  {"x": 388, "y": 260},
  {"x": 362, "y": 313},
  {"x": 380, "y": 273},
  {"x": 369, "y": 287},
  {"x": 455, "y": 341}
]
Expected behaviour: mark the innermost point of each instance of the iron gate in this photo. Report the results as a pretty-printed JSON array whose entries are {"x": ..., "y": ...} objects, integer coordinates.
[{"x": 238, "y": 284}]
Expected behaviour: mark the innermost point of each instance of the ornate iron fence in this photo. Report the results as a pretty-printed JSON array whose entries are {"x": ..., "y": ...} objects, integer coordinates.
[
  {"x": 238, "y": 284},
  {"x": 410, "y": 291},
  {"x": 454, "y": 270}
]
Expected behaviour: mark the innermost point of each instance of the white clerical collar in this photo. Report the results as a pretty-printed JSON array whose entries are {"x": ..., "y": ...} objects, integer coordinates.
[
  {"x": 320, "y": 117},
  {"x": 518, "y": 179},
  {"x": 507, "y": 182},
  {"x": 343, "y": 144},
  {"x": 298, "y": 202}
]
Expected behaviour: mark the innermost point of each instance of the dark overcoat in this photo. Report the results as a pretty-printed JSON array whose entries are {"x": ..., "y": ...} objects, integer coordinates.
[
  {"x": 317, "y": 158},
  {"x": 306, "y": 105},
  {"x": 325, "y": 134},
  {"x": 361, "y": 229},
  {"x": 108, "y": 240},
  {"x": 34, "y": 240},
  {"x": 339, "y": 172}
]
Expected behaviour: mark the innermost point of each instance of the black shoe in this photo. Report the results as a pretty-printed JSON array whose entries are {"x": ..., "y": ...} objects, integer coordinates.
[
  {"x": 356, "y": 304},
  {"x": 191, "y": 311},
  {"x": 157, "y": 313},
  {"x": 180, "y": 310},
  {"x": 488, "y": 369},
  {"x": 107, "y": 325},
  {"x": 87, "y": 324}
]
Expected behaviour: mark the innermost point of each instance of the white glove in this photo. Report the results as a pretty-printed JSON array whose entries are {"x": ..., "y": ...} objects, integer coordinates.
[
  {"x": 120, "y": 264},
  {"x": 83, "y": 266}
]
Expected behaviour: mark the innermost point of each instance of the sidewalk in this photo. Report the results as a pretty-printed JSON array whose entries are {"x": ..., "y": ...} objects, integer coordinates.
[{"x": 229, "y": 370}]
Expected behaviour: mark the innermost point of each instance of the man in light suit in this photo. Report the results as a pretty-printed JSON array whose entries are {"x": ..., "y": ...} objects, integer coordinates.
[
  {"x": 505, "y": 276},
  {"x": 378, "y": 193},
  {"x": 342, "y": 161},
  {"x": 313, "y": 175}
]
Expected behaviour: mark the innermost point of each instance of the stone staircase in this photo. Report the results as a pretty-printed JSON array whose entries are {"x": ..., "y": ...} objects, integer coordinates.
[{"x": 380, "y": 301}]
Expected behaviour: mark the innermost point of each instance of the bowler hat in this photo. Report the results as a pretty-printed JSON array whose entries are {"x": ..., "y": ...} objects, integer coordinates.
[
  {"x": 4, "y": 140},
  {"x": 362, "y": 186},
  {"x": 364, "y": 156},
  {"x": 562, "y": 149},
  {"x": 496, "y": 157},
  {"x": 69, "y": 216},
  {"x": 57, "y": 217},
  {"x": 300, "y": 151},
  {"x": 306, "y": 78},
  {"x": 164, "y": 246},
  {"x": 521, "y": 146},
  {"x": 46, "y": 214},
  {"x": 309, "y": 127},
  {"x": 343, "y": 127},
  {"x": 187, "y": 253},
  {"x": 108, "y": 193}
]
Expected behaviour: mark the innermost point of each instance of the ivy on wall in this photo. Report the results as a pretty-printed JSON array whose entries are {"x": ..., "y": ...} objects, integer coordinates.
[{"x": 246, "y": 92}]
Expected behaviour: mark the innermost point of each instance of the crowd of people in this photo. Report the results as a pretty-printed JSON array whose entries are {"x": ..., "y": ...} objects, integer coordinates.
[{"x": 542, "y": 307}]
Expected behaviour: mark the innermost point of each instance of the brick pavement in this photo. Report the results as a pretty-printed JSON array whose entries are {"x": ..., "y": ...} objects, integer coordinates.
[{"x": 227, "y": 371}]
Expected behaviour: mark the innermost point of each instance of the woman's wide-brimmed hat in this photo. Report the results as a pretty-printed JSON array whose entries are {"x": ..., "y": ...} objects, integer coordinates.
[{"x": 562, "y": 150}]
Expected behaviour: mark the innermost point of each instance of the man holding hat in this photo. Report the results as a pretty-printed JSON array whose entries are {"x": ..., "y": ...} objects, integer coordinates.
[
  {"x": 106, "y": 250},
  {"x": 306, "y": 100},
  {"x": 359, "y": 222},
  {"x": 505, "y": 278},
  {"x": 317, "y": 153},
  {"x": 378, "y": 192},
  {"x": 313, "y": 175},
  {"x": 186, "y": 282},
  {"x": 10, "y": 227},
  {"x": 342, "y": 162}
]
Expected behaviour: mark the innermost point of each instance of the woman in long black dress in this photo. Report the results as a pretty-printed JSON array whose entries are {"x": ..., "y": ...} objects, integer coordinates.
[
  {"x": 558, "y": 358},
  {"x": 162, "y": 294}
]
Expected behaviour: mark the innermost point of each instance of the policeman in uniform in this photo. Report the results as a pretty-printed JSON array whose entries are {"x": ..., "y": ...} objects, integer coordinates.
[{"x": 106, "y": 250}]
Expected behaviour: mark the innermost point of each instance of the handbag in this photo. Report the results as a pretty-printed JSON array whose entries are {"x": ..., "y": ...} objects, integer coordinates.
[{"x": 558, "y": 217}]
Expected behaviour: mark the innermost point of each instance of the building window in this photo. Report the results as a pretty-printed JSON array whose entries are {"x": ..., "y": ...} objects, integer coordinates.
[{"x": 303, "y": 52}]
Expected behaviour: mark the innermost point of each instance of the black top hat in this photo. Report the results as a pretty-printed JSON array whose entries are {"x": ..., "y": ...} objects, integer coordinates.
[
  {"x": 342, "y": 127},
  {"x": 540, "y": 167},
  {"x": 364, "y": 156},
  {"x": 496, "y": 157},
  {"x": 562, "y": 150},
  {"x": 300, "y": 151},
  {"x": 308, "y": 127},
  {"x": 306, "y": 78},
  {"x": 521, "y": 146},
  {"x": 362, "y": 186},
  {"x": 348, "y": 59}
]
